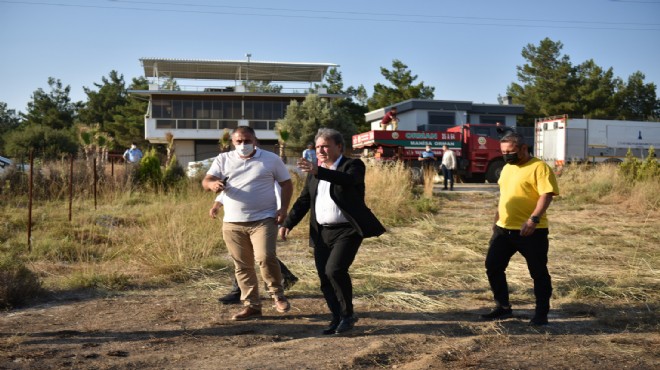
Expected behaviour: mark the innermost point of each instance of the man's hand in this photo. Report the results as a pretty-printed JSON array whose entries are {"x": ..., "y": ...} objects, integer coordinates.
[
  {"x": 213, "y": 212},
  {"x": 527, "y": 228},
  {"x": 280, "y": 216},
  {"x": 307, "y": 166},
  {"x": 283, "y": 231}
]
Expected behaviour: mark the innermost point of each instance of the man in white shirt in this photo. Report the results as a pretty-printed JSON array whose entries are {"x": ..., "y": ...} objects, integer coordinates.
[
  {"x": 448, "y": 166},
  {"x": 246, "y": 175},
  {"x": 339, "y": 221}
]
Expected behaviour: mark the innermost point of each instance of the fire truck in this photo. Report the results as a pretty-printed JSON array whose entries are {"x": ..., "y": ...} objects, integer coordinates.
[{"x": 477, "y": 148}]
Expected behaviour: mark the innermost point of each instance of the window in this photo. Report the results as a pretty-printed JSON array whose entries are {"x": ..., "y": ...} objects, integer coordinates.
[
  {"x": 492, "y": 119},
  {"x": 165, "y": 123},
  {"x": 442, "y": 118},
  {"x": 186, "y": 124},
  {"x": 188, "y": 111},
  {"x": 205, "y": 124}
]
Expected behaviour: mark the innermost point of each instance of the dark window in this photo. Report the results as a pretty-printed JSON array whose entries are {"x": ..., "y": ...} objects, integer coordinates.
[
  {"x": 492, "y": 119},
  {"x": 259, "y": 125},
  {"x": 228, "y": 124},
  {"x": 161, "y": 109},
  {"x": 441, "y": 118},
  {"x": 165, "y": 123},
  {"x": 177, "y": 109},
  {"x": 186, "y": 123},
  {"x": 249, "y": 107},
  {"x": 188, "y": 109},
  {"x": 204, "y": 124},
  {"x": 216, "y": 111},
  {"x": 199, "y": 109}
]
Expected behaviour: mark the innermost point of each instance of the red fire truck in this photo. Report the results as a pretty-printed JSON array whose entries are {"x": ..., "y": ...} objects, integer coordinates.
[{"x": 476, "y": 145}]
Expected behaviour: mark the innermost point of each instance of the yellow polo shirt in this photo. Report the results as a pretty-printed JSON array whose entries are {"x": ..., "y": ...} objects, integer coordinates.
[{"x": 520, "y": 189}]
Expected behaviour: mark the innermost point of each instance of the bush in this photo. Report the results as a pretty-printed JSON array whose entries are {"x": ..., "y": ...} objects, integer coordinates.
[
  {"x": 17, "y": 283},
  {"x": 149, "y": 172}
]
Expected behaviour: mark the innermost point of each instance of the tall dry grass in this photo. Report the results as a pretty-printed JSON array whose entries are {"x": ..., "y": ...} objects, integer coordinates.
[{"x": 604, "y": 237}]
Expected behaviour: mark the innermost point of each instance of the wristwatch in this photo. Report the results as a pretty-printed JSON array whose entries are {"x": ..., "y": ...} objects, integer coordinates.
[{"x": 535, "y": 219}]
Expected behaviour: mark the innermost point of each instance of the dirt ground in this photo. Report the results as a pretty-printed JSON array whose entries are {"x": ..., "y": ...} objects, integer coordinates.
[{"x": 185, "y": 328}]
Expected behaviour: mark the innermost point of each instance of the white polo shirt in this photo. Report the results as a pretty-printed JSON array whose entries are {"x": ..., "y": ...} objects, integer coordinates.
[{"x": 249, "y": 194}]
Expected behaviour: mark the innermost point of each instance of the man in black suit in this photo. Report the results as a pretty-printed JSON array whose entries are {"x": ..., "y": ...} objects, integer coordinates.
[{"x": 340, "y": 220}]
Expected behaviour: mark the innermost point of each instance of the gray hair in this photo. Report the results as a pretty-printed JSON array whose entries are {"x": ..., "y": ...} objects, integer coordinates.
[
  {"x": 514, "y": 138},
  {"x": 330, "y": 134}
]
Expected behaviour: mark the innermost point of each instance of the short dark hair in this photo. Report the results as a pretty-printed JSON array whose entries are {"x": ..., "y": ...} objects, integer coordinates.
[
  {"x": 331, "y": 134},
  {"x": 244, "y": 129},
  {"x": 514, "y": 138}
]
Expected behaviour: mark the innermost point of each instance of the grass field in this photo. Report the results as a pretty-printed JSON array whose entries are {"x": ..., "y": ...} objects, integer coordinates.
[{"x": 419, "y": 287}]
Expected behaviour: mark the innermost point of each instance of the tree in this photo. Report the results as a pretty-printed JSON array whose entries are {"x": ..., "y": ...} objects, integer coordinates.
[
  {"x": 637, "y": 100},
  {"x": 402, "y": 81},
  {"x": 354, "y": 105},
  {"x": 9, "y": 121},
  {"x": 262, "y": 86},
  {"x": 54, "y": 109},
  {"x": 104, "y": 104},
  {"x": 302, "y": 120},
  {"x": 46, "y": 142},
  {"x": 548, "y": 81},
  {"x": 594, "y": 91},
  {"x": 127, "y": 123}
]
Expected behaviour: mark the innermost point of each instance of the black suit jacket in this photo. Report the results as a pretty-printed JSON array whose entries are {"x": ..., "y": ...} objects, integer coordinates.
[{"x": 347, "y": 190}]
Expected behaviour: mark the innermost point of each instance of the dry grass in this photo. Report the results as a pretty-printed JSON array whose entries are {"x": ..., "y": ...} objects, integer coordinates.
[{"x": 604, "y": 239}]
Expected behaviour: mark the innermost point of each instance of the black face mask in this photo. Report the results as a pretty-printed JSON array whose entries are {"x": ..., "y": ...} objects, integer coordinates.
[{"x": 511, "y": 158}]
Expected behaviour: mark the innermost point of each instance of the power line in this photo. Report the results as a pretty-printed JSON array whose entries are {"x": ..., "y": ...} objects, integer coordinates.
[
  {"x": 383, "y": 14},
  {"x": 544, "y": 23}
]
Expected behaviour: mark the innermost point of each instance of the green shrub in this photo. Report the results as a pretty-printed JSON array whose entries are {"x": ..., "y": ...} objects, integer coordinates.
[
  {"x": 17, "y": 283},
  {"x": 149, "y": 172}
]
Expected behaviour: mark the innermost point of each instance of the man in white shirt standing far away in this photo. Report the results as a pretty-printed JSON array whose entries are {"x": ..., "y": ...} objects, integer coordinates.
[{"x": 249, "y": 229}]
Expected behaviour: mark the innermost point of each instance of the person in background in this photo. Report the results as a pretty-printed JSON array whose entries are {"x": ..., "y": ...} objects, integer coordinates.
[
  {"x": 448, "y": 166},
  {"x": 133, "y": 154},
  {"x": 334, "y": 195},
  {"x": 234, "y": 296},
  {"x": 310, "y": 153},
  {"x": 427, "y": 158},
  {"x": 247, "y": 175},
  {"x": 527, "y": 186},
  {"x": 389, "y": 117}
]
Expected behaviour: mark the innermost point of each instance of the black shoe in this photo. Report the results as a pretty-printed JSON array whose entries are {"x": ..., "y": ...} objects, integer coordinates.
[
  {"x": 231, "y": 298},
  {"x": 289, "y": 281},
  {"x": 498, "y": 313},
  {"x": 346, "y": 324},
  {"x": 539, "y": 320},
  {"x": 332, "y": 327}
]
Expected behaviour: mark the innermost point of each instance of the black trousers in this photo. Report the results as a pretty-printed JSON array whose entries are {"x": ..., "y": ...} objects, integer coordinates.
[
  {"x": 448, "y": 175},
  {"x": 334, "y": 253},
  {"x": 503, "y": 245}
]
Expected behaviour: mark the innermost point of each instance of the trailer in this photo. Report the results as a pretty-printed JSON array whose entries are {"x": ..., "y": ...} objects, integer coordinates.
[{"x": 559, "y": 140}]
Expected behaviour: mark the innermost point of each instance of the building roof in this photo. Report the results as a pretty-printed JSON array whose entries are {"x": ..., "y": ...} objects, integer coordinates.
[
  {"x": 447, "y": 105},
  {"x": 235, "y": 70}
]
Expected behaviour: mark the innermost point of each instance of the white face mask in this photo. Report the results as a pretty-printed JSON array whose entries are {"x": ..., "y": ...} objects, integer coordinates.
[{"x": 244, "y": 150}]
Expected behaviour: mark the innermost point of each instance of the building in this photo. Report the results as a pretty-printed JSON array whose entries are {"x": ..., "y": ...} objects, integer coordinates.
[
  {"x": 196, "y": 100},
  {"x": 438, "y": 115}
]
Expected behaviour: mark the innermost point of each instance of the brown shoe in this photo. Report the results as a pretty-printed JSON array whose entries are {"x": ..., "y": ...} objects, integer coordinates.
[
  {"x": 247, "y": 313},
  {"x": 282, "y": 305}
]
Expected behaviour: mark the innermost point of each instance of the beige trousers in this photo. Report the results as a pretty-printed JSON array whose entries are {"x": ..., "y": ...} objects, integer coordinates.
[{"x": 248, "y": 242}]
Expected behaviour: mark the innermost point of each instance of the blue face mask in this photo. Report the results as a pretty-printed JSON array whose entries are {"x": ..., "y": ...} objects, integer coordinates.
[{"x": 511, "y": 158}]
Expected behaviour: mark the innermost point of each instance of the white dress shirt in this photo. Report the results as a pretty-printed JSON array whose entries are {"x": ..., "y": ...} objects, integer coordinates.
[{"x": 327, "y": 212}]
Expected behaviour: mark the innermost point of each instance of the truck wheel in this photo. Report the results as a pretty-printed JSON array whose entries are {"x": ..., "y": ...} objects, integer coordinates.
[{"x": 494, "y": 171}]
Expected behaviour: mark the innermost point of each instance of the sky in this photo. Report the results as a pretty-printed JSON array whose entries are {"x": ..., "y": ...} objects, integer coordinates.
[{"x": 467, "y": 49}]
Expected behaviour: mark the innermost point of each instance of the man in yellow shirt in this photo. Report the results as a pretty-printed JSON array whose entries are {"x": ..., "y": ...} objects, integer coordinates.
[{"x": 527, "y": 186}]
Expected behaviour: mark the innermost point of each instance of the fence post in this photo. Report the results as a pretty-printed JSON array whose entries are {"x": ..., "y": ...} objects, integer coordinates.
[
  {"x": 70, "y": 187},
  {"x": 95, "y": 178},
  {"x": 30, "y": 187}
]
